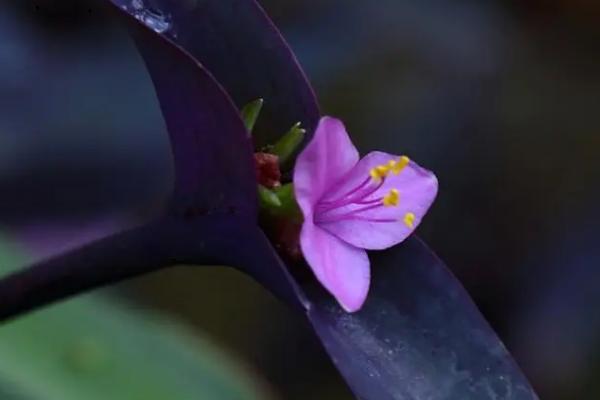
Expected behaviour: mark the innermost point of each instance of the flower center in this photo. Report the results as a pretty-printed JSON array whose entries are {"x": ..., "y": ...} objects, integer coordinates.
[{"x": 357, "y": 199}]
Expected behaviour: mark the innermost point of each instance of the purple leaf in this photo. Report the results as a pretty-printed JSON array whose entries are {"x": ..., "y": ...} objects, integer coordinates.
[
  {"x": 214, "y": 163},
  {"x": 419, "y": 335},
  {"x": 213, "y": 155},
  {"x": 237, "y": 42}
]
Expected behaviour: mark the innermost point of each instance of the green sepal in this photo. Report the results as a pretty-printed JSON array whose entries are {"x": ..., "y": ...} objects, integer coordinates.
[
  {"x": 289, "y": 206},
  {"x": 267, "y": 198},
  {"x": 280, "y": 202},
  {"x": 288, "y": 144},
  {"x": 250, "y": 113}
]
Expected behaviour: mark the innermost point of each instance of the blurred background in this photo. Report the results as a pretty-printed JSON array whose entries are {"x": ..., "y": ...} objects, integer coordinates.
[{"x": 500, "y": 98}]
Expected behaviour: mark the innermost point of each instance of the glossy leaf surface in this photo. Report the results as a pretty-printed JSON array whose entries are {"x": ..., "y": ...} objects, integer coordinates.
[
  {"x": 211, "y": 149},
  {"x": 237, "y": 42},
  {"x": 418, "y": 337},
  {"x": 213, "y": 158}
]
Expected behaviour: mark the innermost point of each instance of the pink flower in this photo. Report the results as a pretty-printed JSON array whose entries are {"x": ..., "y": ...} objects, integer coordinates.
[{"x": 353, "y": 205}]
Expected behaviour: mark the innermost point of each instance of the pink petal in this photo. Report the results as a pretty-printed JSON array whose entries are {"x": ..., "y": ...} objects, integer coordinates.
[
  {"x": 417, "y": 187},
  {"x": 341, "y": 268},
  {"x": 328, "y": 157}
]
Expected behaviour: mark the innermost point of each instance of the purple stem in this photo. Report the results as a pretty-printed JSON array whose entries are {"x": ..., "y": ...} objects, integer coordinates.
[
  {"x": 207, "y": 240},
  {"x": 108, "y": 260}
]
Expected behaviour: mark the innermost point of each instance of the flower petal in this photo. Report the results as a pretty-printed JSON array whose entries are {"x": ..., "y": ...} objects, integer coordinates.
[
  {"x": 382, "y": 227},
  {"x": 343, "y": 269},
  {"x": 326, "y": 159}
]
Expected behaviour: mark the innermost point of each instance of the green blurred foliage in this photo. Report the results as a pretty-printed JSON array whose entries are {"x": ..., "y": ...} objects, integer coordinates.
[{"x": 90, "y": 348}]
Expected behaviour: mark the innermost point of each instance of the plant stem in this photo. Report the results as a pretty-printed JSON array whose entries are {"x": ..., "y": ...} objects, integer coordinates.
[
  {"x": 208, "y": 240},
  {"x": 100, "y": 263}
]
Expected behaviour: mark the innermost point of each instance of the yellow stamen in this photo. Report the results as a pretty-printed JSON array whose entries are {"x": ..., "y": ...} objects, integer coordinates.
[
  {"x": 409, "y": 220},
  {"x": 400, "y": 165},
  {"x": 375, "y": 175},
  {"x": 379, "y": 172},
  {"x": 383, "y": 170},
  {"x": 392, "y": 198}
]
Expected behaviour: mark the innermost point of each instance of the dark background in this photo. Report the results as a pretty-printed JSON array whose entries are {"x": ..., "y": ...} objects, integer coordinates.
[{"x": 500, "y": 98}]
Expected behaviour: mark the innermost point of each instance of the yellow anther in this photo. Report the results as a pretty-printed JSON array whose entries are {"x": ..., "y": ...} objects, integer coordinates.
[
  {"x": 400, "y": 164},
  {"x": 379, "y": 172},
  {"x": 375, "y": 175},
  {"x": 383, "y": 170},
  {"x": 392, "y": 198},
  {"x": 409, "y": 220}
]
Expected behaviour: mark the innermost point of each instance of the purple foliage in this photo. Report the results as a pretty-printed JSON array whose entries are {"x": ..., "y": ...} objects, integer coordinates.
[{"x": 419, "y": 335}]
